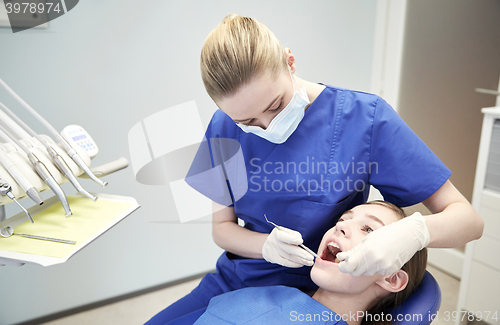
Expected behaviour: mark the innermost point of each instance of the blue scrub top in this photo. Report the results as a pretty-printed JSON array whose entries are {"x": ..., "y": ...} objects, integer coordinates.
[
  {"x": 267, "y": 305},
  {"x": 347, "y": 141}
]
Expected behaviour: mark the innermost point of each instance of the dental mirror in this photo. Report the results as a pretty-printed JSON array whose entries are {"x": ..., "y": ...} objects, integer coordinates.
[{"x": 7, "y": 231}]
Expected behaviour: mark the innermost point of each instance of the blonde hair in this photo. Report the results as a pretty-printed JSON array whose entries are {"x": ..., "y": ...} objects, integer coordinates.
[{"x": 235, "y": 52}]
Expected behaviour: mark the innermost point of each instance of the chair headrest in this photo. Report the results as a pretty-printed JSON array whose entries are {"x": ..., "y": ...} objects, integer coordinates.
[{"x": 422, "y": 306}]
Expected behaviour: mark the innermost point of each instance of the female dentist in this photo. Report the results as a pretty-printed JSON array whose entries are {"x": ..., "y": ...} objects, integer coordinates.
[{"x": 311, "y": 152}]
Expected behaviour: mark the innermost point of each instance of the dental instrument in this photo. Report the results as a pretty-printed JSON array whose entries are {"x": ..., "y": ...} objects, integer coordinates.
[
  {"x": 6, "y": 190},
  {"x": 42, "y": 171},
  {"x": 60, "y": 163},
  {"x": 19, "y": 177},
  {"x": 7, "y": 231},
  {"x": 300, "y": 245},
  {"x": 71, "y": 152}
]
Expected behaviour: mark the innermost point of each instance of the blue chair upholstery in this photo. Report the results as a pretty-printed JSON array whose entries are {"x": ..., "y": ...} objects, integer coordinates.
[{"x": 422, "y": 306}]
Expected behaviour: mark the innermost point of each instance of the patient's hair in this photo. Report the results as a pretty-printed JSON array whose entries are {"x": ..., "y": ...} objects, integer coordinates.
[
  {"x": 415, "y": 268},
  {"x": 235, "y": 52}
]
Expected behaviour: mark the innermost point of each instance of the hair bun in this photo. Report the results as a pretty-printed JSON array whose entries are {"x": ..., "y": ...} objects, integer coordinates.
[{"x": 231, "y": 17}]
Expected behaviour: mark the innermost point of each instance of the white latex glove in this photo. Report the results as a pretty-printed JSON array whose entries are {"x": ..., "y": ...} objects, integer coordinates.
[
  {"x": 387, "y": 249},
  {"x": 281, "y": 248}
]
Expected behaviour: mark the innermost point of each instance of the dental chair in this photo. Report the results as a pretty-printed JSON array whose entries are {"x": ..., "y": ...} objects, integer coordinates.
[
  {"x": 422, "y": 306},
  {"x": 419, "y": 309}
]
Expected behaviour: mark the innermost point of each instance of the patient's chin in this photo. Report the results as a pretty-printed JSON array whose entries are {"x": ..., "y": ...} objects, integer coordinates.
[{"x": 333, "y": 280}]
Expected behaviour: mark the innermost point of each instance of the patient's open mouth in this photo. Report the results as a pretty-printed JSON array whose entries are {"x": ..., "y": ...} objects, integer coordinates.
[{"x": 330, "y": 252}]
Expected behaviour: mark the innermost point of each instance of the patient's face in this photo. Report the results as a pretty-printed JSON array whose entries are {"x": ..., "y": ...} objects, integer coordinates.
[{"x": 351, "y": 228}]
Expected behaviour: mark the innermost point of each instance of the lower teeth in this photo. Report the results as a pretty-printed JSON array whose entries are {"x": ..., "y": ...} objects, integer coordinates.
[{"x": 336, "y": 260}]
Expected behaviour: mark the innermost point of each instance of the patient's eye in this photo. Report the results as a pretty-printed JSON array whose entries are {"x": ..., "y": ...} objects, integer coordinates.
[
  {"x": 341, "y": 219},
  {"x": 367, "y": 229}
]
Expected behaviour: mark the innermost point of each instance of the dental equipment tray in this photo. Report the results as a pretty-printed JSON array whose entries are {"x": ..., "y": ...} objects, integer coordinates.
[{"x": 89, "y": 221}]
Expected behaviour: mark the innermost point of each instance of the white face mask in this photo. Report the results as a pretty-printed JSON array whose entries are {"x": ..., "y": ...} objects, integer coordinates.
[{"x": 285, "y": 123}]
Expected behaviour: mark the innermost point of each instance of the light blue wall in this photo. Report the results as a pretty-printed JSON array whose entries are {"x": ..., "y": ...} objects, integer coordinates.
[{"x": 106, "y": 65}]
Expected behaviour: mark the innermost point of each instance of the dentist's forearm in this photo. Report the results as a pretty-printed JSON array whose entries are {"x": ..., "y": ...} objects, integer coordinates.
[
  {"x": 455, "y": 226},
  {"x": 454, "y": 221},
  {"x": 228, "y": 235},
  {"x": 239, "y": 240}
]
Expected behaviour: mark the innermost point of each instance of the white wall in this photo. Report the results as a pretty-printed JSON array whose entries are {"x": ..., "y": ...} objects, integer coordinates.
[
  {"x": 451, "y": 47},
  {"x": 108, "y": 64}
]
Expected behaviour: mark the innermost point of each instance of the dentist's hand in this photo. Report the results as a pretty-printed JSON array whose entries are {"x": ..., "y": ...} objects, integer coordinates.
[
  {"x": 281, "y": 248},
  {"x": 387, "y": 249}
]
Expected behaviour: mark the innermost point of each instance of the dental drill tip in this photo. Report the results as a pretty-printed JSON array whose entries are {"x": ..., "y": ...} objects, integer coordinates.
[
  {"x": 93, "y": 198},
  {"x": 104, "y": 184},
  {"x": 78, "y": 186},
  {"x": 87, "y": 194},
  {"x": 34, "y": 195},
  {"x": 65, "y": 205},
  {"x": 67, "y": 209}
]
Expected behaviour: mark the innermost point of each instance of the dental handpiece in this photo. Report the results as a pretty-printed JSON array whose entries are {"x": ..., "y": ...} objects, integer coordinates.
[
  {"x": 60, "y": 163},
  {"x": 74, "y": 155},
  {"x": 19, "y": 177},
  {"x": 6, "y": 190},
  {"x": 42, "y": 171},
  {"x": 47, "y": 177},
  {"x": 64, "y": 168},
  {"x": 71, "y": 152}
]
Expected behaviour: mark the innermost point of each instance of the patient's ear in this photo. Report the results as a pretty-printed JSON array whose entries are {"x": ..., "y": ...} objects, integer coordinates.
[{"x": 394, "y": 282}]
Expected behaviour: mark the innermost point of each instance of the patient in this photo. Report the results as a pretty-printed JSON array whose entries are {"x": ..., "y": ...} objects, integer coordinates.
[{"x": 356, "y": 300}]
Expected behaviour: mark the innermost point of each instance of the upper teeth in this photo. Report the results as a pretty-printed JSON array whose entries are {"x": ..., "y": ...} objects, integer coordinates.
[{"x": 333, "y": 244}]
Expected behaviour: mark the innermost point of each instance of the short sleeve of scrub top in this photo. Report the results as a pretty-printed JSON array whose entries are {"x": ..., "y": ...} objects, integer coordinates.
[
  {"x": 405, "y": 170},
  {"x": 218, "y": 165}
]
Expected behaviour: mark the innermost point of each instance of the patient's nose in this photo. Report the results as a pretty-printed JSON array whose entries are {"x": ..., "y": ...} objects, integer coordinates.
[{"x": 343, "y": 228}]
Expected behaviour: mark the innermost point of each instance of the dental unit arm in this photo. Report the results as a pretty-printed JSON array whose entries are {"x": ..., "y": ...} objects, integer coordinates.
[
  {"x": 21, "y": 161},
  {"x": 60, "y": 162},
  {"x": 41, "y": 170},
  {"x": 70, "y": 151},
  {"x": 28, "y": 169}
]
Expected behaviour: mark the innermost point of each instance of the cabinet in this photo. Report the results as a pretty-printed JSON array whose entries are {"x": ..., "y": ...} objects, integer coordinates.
[{"x": 480, "y": 284}]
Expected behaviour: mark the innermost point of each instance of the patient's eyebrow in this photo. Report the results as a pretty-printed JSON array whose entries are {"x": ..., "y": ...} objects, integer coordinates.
[
  {"x": 376, "y": 219},
  {"x": 348, "y": 212}
]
